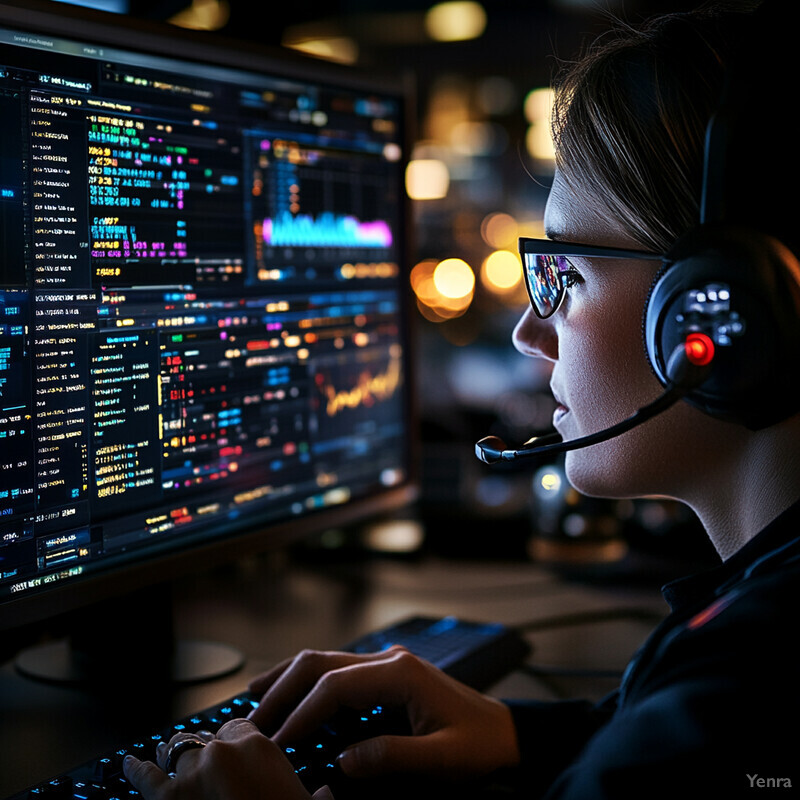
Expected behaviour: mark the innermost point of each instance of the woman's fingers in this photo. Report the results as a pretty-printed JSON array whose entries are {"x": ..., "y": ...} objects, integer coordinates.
[
  {"x": 455, "y": 731},
  {"x": 239, "y": 763},
  {"x": 289, "y": 682},
  {"x": 237, "y": 729},
  {"x": 148, "y": 779},
  {"x": 360, "y": 686},
  {"x": 163, "y": 750},
  {"x": 262, "y": 682},
  {"x": 434, "y": 754}
]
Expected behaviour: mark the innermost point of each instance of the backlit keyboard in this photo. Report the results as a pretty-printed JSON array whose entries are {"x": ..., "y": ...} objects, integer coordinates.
[{"x": 478, "y": 654}]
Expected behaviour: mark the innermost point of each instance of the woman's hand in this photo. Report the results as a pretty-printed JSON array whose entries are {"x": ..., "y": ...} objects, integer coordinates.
[
  {"x": 458, "y": 733},
  {"x": 239, "y": 763}
]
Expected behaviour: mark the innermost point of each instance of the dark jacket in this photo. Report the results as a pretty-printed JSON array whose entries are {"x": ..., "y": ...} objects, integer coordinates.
[{"x": 707, "y": 707}]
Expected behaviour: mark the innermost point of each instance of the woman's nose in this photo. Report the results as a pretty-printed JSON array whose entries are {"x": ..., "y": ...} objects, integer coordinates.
[{"x": 535, "y": 337}]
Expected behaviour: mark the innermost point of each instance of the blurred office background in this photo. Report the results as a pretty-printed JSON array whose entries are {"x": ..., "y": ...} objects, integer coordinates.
[{"x": 478, "y": 178}]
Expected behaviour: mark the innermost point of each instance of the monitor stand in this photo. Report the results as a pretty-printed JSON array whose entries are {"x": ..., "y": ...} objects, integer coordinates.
[{"x": 128, "y": 638}]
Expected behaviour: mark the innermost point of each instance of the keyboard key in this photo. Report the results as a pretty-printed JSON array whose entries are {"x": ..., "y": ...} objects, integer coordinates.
[
  {"x": 56, "y": 788},
  {"x": 83, "y": 790}
]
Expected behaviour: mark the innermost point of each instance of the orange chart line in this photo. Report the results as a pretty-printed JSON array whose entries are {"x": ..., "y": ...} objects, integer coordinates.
[{"x": 369, "y": 390}]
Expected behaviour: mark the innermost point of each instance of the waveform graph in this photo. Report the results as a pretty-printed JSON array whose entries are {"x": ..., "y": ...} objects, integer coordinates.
[
  {"x": 325, "y": 230},
  {"x": 357, "y": 400},
  {"x": 317, "y": 205}
]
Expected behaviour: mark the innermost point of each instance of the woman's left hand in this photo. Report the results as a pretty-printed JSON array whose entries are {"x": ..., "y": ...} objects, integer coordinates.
[{"x": 239, "y": 763}]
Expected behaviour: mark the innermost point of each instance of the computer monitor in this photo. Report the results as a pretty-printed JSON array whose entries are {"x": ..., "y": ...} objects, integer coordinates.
[{"x": 204, "y": 341}]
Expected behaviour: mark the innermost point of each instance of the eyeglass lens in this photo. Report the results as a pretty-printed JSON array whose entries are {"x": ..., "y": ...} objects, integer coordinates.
[{"x": 545, "y": 285}]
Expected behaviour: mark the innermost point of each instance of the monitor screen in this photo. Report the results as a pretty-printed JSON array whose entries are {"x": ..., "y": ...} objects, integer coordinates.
[{"x": 203, "y": 330}]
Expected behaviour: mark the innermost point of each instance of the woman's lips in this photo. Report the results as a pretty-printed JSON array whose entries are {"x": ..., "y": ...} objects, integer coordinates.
[{"x": 560, "y": 409}]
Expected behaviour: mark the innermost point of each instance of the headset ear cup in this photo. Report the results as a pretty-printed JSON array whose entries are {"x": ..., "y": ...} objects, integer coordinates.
[{"x": 742, "y": 289}]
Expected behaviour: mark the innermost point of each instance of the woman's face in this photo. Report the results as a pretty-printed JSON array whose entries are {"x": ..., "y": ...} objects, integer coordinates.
[{"x": 600, "y": 370}]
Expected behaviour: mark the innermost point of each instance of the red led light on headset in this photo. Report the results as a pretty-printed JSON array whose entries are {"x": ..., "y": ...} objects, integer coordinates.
[{"x": 699, "y": 348}]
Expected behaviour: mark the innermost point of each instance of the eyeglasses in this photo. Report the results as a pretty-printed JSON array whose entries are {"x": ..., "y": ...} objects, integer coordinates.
[{"x": 549, "y": 273}]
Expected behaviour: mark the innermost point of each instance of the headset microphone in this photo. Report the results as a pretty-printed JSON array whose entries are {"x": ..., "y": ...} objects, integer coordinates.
[{"x": 688, "y": 367}]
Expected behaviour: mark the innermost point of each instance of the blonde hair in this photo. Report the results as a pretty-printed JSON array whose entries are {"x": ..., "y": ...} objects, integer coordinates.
[{"x": 630, "y": 118}]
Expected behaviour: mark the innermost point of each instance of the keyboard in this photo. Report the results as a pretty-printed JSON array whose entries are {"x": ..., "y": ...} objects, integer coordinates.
[{"x": 478, "y": 654}]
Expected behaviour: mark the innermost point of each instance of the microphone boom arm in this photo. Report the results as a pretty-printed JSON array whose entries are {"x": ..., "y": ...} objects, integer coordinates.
[{"x": 492, "y": 449}]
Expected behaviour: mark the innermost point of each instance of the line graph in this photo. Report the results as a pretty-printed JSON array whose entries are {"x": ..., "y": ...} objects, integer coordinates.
[{"x": 367, "y": 390}]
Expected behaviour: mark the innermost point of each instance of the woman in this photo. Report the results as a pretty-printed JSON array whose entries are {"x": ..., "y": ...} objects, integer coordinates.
[{"x": 701, "y": 706}]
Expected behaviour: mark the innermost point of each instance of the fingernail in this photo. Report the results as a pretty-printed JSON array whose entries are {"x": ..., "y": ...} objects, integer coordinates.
[{"x": 343, "y": 760}]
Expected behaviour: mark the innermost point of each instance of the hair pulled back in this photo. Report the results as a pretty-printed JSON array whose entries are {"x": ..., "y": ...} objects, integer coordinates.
[{"x": 630, "y": 118}]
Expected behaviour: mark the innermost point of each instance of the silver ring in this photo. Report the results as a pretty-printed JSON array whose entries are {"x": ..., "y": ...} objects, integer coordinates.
[{"x": 177, "y": 749}]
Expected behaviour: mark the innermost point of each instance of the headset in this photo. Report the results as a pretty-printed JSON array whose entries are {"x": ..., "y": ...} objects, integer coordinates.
[{"x": 721, "y": 323}]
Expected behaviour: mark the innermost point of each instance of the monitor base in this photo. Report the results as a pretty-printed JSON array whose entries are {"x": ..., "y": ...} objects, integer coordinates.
[
  {"x": 192, "y": 662},
  {"x": 98, "y": 647}
]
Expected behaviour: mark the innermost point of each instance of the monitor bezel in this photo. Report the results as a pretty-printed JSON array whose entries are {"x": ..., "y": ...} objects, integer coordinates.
[{"x": 160, "y": 39}]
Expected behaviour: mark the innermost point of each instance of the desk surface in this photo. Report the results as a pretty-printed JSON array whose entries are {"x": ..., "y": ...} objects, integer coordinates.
[{"x": 271, "y": 608}]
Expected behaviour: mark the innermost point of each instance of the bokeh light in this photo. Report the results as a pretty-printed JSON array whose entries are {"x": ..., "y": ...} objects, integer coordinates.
[
  {"x": 201, "y": 15},
  {"x": 444, "y": 289},
  {"x": 341, "y": 49},
  {"x": 502, "y": 271},
  {"x": 538, "y": 107},
  {"x": 454, "y": 278},
  {"x": 500, "y": 230},
  {"x": 455, "y": 21},
  {"x": 427, "y": 179}
]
